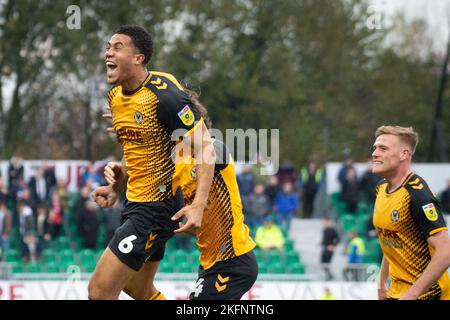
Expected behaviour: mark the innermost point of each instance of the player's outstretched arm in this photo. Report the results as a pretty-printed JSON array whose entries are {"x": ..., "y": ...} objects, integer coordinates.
[
  {"x": 205, "y": 162},
  {"x": 439, "y": 263}
]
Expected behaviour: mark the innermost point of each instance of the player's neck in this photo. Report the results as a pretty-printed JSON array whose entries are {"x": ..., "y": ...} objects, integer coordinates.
[
  {"x": 398, "y": 178},
  {"x": 134, "y": 82}
]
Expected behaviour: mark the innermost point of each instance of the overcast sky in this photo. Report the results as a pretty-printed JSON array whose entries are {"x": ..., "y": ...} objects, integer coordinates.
[{"x": 435, "y": 12}]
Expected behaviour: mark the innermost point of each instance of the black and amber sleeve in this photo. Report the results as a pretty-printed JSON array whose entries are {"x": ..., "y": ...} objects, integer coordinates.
[
  {"x": 177, "y": 112},
  {"x": 425, "y": 209}
]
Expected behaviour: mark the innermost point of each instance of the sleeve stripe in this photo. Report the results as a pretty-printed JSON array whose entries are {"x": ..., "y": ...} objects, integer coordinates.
[
  {"x": 187, "y": 134},
  {"x": 437, "y": 230},
  {"x": 170, "y": 77}
]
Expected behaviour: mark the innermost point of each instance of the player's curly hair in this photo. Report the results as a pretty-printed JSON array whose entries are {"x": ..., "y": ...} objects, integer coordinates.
[
  {"x": 199, "y": 107},
  {"x": 142, "y": 40}
]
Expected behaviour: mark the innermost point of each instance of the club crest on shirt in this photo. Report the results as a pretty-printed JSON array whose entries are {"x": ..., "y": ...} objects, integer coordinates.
[
  {"x": 138, "y": 117},
  {"x": 186, "y": 115},
  {"x": 193, "y": 173},
  {"x": 430, "y": 212},
  {"x": 395, "y": 216}
]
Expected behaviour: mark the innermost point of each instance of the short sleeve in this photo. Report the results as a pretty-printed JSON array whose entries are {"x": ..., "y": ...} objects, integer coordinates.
[
  {"x": 426, "y": 210},
  {"x": 177, "y": 113}
]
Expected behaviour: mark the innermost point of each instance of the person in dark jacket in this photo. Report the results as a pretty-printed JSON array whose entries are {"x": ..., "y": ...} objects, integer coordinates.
[
  {"x": 310, "y": 181},
  {"x": 89, "y": 225},
  {"x": 350, "y": 190},
  {"x": 272, "y": 189},
  {"x": 330, "y": 238},
  {"x": 258, "y": 207},
  {"x": 368, "y": 183}
]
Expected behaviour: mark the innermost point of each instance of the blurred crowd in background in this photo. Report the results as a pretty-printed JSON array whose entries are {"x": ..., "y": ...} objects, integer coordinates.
[{"x": 36, "y": 208}]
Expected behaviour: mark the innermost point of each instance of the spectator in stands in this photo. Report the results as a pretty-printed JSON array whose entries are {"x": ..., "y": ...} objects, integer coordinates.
[
  {"x": 89, "y": 225},
  {"x": 342, "y": 174},
  {"x": 272, "y": 189},
  {"x": 40, "y": 191},
  {"x": 371, "y": 233},
  {"x": 286, "y": 205},
  {"x": 42, "y": 227},
  {"x": 350, "y": 190},
  {"x": 258, "y": 169},
  {"x": 355, "y": 254},
  {"x": 368, "y": 183},
  {"x": 5, "y": 226},
  {"x": 4, "y": 194},
  {"x": 82, "y": 198},
  {"x": 80, "y": 206},
  {"x": 112, "y": 219},
  {"x": 101, "y": 164},
  {"x": 92, "y": 177},
  {"x": 20, "y": 187},
  {"x": 246, "y": 181},
  {"x": 310, "y": 181},
  {"x": 445, "y": 199},
  {"x": 55, "y": 216},
  {"x": 330, "y": 239},
  {"x": 287, "y": 174},
  {"x": 258, "y": 207},
  {"x": 269, "y": 236},
  {"x": 27, "y": 230},
  {"x": 49, "y": 176},
  {"x": 22, "y": 194},
  {"x": 63, "y": 193},
  {"x": 15, "y": 172}
]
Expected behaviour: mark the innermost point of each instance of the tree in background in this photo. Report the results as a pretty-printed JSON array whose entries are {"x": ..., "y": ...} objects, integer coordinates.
[{"x": 310, "y": 68}]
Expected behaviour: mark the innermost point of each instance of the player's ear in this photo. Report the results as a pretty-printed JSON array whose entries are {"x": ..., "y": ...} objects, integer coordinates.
[
  {"x": 406, "y": 153},
  {"x": 140, "y": 58}
]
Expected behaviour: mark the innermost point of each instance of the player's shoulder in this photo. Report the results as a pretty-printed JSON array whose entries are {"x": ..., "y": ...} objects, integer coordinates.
[
  {"x": 166, "y": 88},
  {"x": 380, "y": 185},
  {"x": 112, "y": 92},
  {"x": 418, "y": 188},
  {"x": 163, "y": 83}
]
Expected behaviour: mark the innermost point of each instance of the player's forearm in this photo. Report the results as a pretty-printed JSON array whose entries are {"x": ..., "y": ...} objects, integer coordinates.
[
  {"x": 205, "y": 158},
  {"x": 439, "y": 263},
  {"x": 205, "y": 173},
  {"x": 120, "y": 184},
  {"x": 121, "y": 179}
]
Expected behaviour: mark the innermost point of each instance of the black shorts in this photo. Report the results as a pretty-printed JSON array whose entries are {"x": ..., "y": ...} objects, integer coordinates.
[
  {"x": 226, "y": 280},
  {"x": 144, "y": 231}
]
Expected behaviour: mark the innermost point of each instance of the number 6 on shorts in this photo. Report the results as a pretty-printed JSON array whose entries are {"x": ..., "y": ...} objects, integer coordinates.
[{"x": 126, "y": 245}]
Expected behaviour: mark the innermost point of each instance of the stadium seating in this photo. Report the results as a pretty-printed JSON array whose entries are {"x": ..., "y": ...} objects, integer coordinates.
[
  {"x": 49, "y": 255},
  {"x": 67, "y": 250},
  {"x": 357, "y": 222},
  {"x": 33, "y": 267},
  {"x": 51, "y": 267},
  {"x": 12, "y": 255}
]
